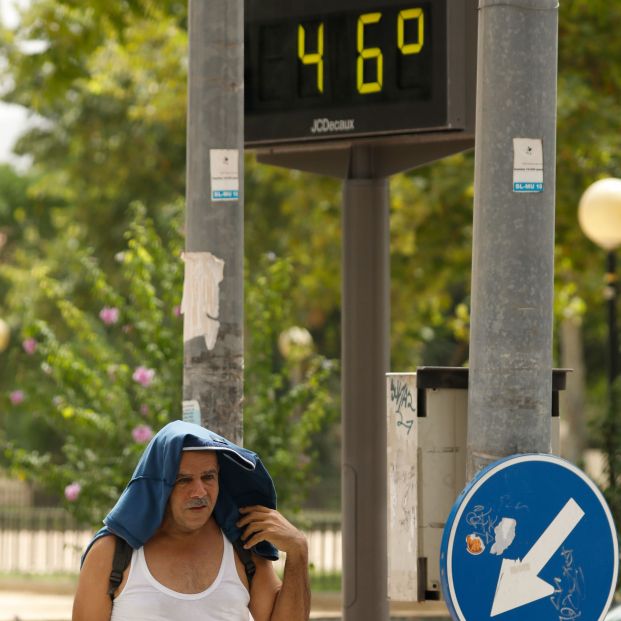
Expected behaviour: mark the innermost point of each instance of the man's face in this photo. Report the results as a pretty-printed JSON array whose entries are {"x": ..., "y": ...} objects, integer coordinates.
[{"x": 195, "y": 492}]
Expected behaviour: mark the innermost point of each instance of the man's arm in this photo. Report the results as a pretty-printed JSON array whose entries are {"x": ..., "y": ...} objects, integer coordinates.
[
  {"x": 271, "y": 600},
  {"x": 92, "y": 602}
]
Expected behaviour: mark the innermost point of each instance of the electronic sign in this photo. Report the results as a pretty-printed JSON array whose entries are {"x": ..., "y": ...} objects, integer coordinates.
[{"x": 318, "y": 70}]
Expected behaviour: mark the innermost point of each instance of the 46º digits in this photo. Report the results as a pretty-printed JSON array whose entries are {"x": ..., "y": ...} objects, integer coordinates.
[{"x": 370, "y": 60}]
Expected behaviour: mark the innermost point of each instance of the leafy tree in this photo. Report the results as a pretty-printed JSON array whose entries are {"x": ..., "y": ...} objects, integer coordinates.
[
  {"x": 95, "y": 385},
  {"x": 589, "y": 148},
  {"x": 289, "y": 387},
  {"x": 109, "y": 87},
  {"x": 89, "y": 389},
  {"x": 431, "y": 226},
  {"x": 109, "y": 82}
]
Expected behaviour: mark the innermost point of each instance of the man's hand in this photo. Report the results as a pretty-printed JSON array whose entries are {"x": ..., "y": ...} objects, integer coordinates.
[
  {"x": 270, "y": 601},
  {"x": 263, "y": 524}
]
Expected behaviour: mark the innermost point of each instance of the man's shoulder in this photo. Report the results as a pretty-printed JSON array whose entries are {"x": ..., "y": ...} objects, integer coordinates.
[
  {"x": 103, "y": 545},
  {"x": 102, "y": 551}
]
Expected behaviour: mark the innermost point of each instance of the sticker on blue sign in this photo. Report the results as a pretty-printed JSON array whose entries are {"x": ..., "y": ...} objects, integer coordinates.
[
  {"x": 527, "y": 165},
  {"x": 531, "y": 537}
]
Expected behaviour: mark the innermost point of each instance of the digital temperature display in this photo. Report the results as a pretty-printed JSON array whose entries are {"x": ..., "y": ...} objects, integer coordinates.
[{"x": 317, "y": 70}]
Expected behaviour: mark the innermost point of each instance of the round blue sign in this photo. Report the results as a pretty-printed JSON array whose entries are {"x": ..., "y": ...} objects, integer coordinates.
[{"x": 531, "y": 537}]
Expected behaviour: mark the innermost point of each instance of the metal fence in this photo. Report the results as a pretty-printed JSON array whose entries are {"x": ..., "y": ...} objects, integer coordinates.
[
  {"x": 40, "y": 541},
  {"x": 49, "y": 541},
  {"x": 323, "y": 531}
]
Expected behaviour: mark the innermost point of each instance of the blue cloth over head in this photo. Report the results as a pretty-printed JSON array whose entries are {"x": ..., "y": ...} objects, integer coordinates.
[{"x": 243, "y": 482}]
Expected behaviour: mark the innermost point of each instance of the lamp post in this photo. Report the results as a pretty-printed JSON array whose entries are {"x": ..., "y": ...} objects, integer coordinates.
[
  {"x": 599, "y": 215},
  {"x": 5, "y": 335}
]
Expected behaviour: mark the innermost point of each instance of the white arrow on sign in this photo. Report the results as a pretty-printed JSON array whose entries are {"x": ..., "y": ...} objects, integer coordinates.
[{"x": 518, "y": 583}]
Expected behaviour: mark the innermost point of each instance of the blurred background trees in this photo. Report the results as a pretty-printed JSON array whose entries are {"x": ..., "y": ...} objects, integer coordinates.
[{"x": 107, "y": 84}]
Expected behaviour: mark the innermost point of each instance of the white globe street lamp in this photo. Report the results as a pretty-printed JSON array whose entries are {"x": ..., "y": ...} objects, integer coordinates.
[{"x": 599, "y": 215}]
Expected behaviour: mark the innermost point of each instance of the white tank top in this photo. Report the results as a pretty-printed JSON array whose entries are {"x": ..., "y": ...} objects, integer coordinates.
[{"x": 143, "y": 598}]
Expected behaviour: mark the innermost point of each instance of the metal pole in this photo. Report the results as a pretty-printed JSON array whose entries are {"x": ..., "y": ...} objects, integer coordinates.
[
  {"x": 613, "y": 366},
  {"x": 510, "y": 384},
  {"x": 365, "y": 359},
  {"x": 213, "y": 287}
]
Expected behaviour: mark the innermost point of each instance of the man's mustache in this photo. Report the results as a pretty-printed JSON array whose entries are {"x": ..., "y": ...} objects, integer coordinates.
[{"x": 198, "y": 502}]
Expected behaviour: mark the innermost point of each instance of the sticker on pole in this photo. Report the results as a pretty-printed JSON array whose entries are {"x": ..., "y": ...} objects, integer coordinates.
[
  {"x": 224, "y": 168},
  {"x": 531, "y": 537},
  {"x": 527, "y": 165}
]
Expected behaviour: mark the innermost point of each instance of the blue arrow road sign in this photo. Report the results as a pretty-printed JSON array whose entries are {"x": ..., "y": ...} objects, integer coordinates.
[{"x": 531, "y": 537}]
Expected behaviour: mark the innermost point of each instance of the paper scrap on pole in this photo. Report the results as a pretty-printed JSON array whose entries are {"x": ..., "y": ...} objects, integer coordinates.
[
  {"x": 191, "y": 411},
  {"x": 200, "y": 305}
]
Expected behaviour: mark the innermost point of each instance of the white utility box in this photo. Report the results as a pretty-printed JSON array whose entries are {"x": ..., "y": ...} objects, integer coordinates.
[{"x": 427, "y": 426}]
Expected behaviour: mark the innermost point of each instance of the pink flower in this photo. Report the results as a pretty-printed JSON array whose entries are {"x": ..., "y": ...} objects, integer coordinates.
[
  {"x": 109, "y": 315},
  {"x": 142, "y": 434},
  {"x": 143, "y": 376},
  {"x": 17, "y": 397},
  {"x": 177, "y": 311},
  {"x": 72, "y": 491},
  {"x": 144, "y": 409},
  {"x": 30, "y": 346}
]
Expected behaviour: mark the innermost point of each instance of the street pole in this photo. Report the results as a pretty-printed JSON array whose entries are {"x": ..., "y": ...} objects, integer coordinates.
[
  {"x": 613, "y": 366},
  {"x": 213, "y": 286},
  {"x": 365, "y": 359},
  {"x": 510, "y": 383}
]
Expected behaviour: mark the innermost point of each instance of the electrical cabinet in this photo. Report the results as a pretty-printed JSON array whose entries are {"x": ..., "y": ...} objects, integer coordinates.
[{"x": 427, "y": 417}]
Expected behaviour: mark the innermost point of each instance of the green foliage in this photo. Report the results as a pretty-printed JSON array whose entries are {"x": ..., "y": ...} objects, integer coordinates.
[
  {"x": 297, "y": 215},
  {"x": 606, "y": 433},
  {"x": 325, "y": 583},
  {"x": 78, "y": 385},
  {"x": 288, "y": 388},
  {"x": 83, "y": 341},
  {"x": 13, "y": 195},
  {"x": 431, "y": 226},
  {"x": 108, "y": 82},
  {"x": 588, "y": 148}
]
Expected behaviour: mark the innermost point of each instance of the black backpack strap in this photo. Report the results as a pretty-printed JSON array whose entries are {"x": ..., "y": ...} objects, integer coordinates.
[
  {"x": 245, "y": 556},
  {"x": 122, "y": 556}
]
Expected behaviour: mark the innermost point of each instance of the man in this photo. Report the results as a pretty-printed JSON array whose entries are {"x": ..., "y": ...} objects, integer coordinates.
[{"x": 192, "y": 495}]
